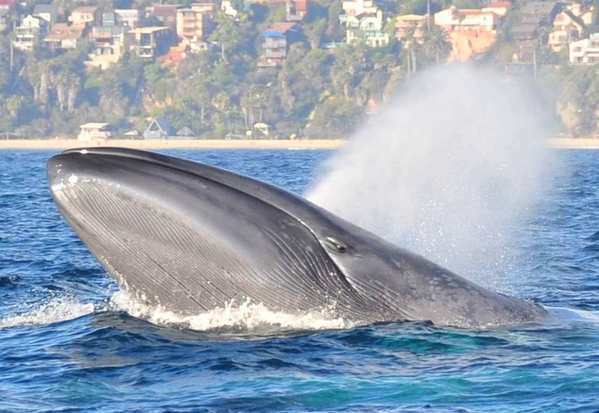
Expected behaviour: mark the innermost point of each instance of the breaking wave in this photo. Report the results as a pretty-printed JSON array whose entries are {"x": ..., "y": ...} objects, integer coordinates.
[
  {"x": 55, "y": 310},
  {"x": 235, "y": 317}
]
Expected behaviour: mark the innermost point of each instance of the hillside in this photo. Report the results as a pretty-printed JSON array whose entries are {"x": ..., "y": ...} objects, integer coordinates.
[{"x": 278, "y": 69}]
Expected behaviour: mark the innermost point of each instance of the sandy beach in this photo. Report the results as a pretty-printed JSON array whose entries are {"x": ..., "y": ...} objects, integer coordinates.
[
  {"x": 223, "y": 144},
  {"x": 61, "y": 144}
]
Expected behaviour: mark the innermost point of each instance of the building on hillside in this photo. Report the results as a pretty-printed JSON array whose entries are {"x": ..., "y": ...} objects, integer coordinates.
[
  {"x": 296, "y": 10},
  {"x": 207, "y": 7},
  {"x": 85, "y": 16},
  {"x": 64, "y": 37},
  {"x": 94, "y": 131},
  {"x": 500, "y": 8},
  {"x": 150, "y": 42},
  {"x": 166, "y": 14},
  {"x": 277, "y": 39},
  {"x": 569, "y": 25},
  {"x": 585, "y": 51},
  {"x": 5, "y": 19},
  {"x": 108, "y": 19},
  {"x": 354, "y": 8},
  {"x": 193, "y": 27},
  {"x": 7, "y": 8},
  {"x": 226, "y": 6},
  {"x": 410, "y": 26},
  {"x": 29, "y": 32},
  {"x": 46, "y": 12},
  {"x": 363, "y": 20},
  {"x": 129, "y": 18},
  {"x": 8, "y": 4},
  {"x": 526, "y": 29},
  {"x": 471, "y": 31},
  {"x": 109, "y": 44},
  {"x": 454, "y": 19},
  {"x": 159, "y": 128}
]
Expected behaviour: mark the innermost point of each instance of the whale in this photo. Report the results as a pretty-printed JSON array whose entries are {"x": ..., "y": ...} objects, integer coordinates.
[{"x": 189, "y": 238}]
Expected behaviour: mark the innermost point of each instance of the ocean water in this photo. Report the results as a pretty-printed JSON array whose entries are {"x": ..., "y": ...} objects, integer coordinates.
[{"x": 69, "y": 341}]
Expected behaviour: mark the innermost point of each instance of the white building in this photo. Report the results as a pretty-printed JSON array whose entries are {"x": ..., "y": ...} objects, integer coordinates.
[
  {"x": 585, "y": 51},
  {"x": 567, "y": 29},
  {"x": 227, "y": 7},
  {"x": 454, "y": 19},
  {"x": 128, "y": 17},
  {"x": 363, "y": 20},
  {"x": 28, "y": 33},
  {"x": 93, "y": 131}
]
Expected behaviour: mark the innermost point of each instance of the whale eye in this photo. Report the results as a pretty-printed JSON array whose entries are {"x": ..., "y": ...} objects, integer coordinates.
[{"x": 335, "y": 244}]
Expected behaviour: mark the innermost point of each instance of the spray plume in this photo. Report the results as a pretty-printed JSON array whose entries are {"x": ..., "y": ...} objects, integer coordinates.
[{"x": 448, "y": 170}]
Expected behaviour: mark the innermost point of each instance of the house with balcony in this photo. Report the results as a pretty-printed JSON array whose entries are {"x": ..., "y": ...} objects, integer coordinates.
[
  {"x": 150, "y": 42},
  {"x": 569, "y": 25},
  {"x": 585, "y": 51},
  {"x": 109, "y": 45},
  {"x": 296, "y": 10},
  {"x": 29, "y": 33},
  {"x": 46, "y": 12},
  {"x": 193, "y": 27},
  {"x": 277, "y": 39},
  {"x": 129, "y": 18},
  {"x": 85, "y": 16},
  {"x": 63, "y": 37},
  {"x": 363, "y": 20}
]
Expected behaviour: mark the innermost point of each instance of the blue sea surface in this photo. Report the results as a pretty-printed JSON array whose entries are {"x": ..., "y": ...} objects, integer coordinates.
[{"x": 62, "y": 348}]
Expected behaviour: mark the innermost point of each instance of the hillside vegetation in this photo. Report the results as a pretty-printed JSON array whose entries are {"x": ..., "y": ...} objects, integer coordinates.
[{"x": 324, "y": 88}]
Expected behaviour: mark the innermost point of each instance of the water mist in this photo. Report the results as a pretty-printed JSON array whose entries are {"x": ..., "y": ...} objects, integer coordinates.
[{"x": 448, "y": 170}]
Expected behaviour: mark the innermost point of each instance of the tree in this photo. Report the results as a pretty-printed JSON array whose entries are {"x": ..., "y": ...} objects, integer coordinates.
[{"x": 436, "y": 46}]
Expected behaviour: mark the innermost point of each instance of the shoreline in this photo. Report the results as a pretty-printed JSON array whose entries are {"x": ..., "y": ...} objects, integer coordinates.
[
  {"x": 199, "y": 144},
  {"x": 224, "y": 144}
]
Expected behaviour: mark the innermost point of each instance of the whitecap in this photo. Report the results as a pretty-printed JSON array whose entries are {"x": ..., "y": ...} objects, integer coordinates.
[
  {"x": 244, "y": 316},
  {"x": 55, "y": 310}
]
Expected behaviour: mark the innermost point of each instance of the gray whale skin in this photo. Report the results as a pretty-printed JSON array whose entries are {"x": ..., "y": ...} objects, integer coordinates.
[{"x": 191, "y": 237}]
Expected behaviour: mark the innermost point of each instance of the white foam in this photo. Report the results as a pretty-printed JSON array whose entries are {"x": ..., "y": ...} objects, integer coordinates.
[
  {"x": 574, "y": 314},
  {"x": 55, "y": 310},
  {"x": 244, "y": 316}
]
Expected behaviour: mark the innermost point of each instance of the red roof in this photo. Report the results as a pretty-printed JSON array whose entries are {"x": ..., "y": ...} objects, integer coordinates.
[
  {"x": 499, "y": 4},
  {"x": 164, "y": 10},
  {"x": 8, "y": 3},
  {"x": 281, "y": 27},
  {"x": 301, "y": 6}
]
